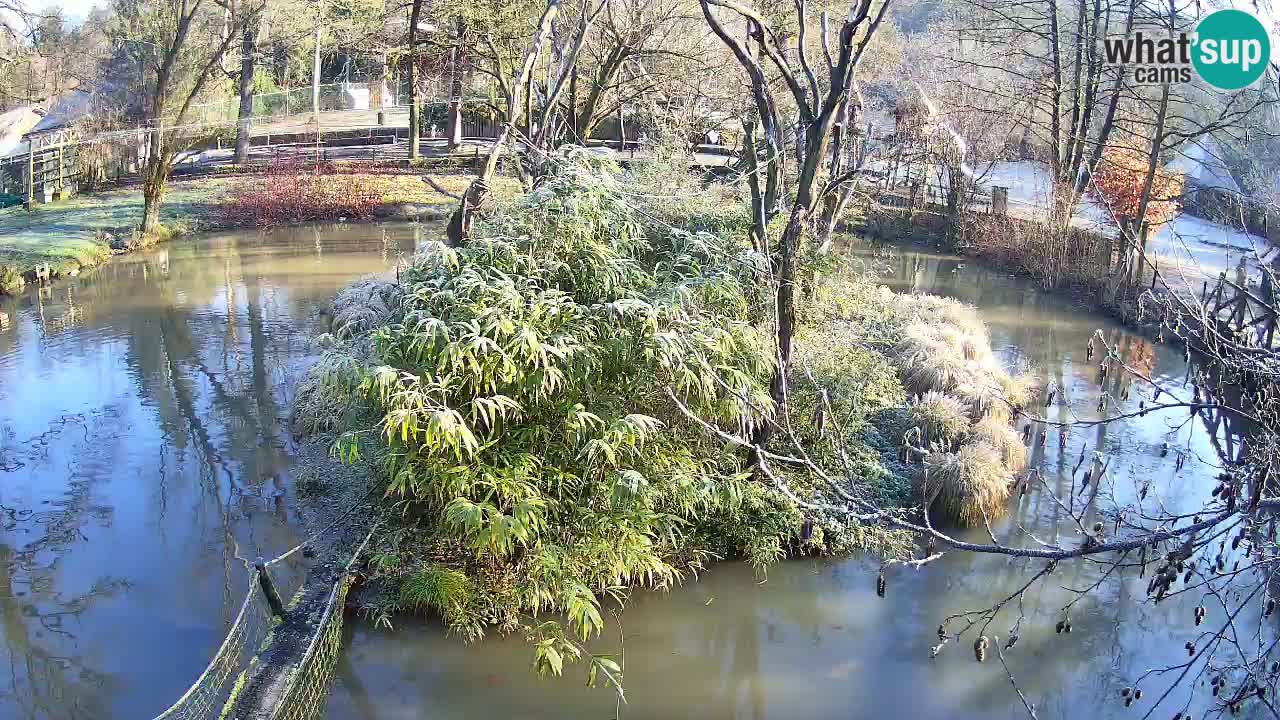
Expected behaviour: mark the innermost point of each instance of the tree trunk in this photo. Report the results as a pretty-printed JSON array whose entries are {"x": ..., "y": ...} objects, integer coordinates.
[
  {"x": 1060, "y": 218},
  {"x": 785, "y": 307},
  {"x": 1153, "y": 164},
  {"x": 587, "y": 120},
  {"x": 315, "y": 75},
  {"x": 245, "y": 125},
  {"x": 759, "y": 223},
  {"x": 459, "y": 229},
  {"x": 414, "y": 14},
  {"x": 155, "y": 178},
  {"x": 454, "y": 122}
]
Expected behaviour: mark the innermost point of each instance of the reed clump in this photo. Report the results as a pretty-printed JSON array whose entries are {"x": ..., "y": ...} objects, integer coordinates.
[
  {"x": 970, "y": 485},
  {"x": 943, "y": 418},
  {"x": 1005, "y": 439},
  {"x": 964, "y": 403}
]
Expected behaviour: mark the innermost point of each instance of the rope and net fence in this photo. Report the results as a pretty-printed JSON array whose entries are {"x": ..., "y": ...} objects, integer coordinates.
[
  {"x": 308, "y": 685},
  {"x": 207, "y": 696},
  {"x": 276, "y": 662},
  {"x": 276, "y": 104}
]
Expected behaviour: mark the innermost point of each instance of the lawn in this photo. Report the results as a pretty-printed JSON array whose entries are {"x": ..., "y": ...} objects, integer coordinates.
[{"x": 67, "y": 234}]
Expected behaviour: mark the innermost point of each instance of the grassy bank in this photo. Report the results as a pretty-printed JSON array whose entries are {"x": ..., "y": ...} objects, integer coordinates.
[{"x": 71, "y": 235}]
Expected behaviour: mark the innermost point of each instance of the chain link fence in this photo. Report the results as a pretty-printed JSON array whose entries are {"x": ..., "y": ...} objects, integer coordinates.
[{"x": 278, "y": 104}]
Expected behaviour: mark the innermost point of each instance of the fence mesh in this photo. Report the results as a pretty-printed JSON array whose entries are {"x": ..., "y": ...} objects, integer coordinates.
[
  {"x": 305, "y": 695},
  {"x": 308, "y": 686},
  {"x": 206, "y": 697},
  {"x": 294, "y": 101}
]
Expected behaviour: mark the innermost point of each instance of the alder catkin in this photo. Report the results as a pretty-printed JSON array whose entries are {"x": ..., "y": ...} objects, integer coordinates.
[{"x": 980, "y": 648}]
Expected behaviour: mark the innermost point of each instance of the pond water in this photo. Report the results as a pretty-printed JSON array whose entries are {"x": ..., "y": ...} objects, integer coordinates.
[
  {"x": 812, "y": 640},
  {"x": 143, "y": 448}
]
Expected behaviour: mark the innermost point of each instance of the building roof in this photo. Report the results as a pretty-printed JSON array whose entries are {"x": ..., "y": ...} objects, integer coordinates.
[
  {"x": 70, "y": 106},
  {"x": 1201, "y": 162},
  {"x": 13, "y": 125}
]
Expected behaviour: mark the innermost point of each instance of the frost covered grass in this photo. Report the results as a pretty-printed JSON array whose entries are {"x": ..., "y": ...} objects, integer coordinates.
[
  {"x": 943, "y": 418},
  {"x": 958, "y": 398},
  {"x": 964, "y": 401},
  {"x": 69, "y": 234}
]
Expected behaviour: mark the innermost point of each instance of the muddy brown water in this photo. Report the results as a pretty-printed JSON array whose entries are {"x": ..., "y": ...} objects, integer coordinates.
[
  {"x": 143, "y": 451},
  {"x": 143, "y": 448}
]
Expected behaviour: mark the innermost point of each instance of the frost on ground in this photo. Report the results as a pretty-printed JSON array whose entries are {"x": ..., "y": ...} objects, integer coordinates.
[
  {"x": 364, "y": 305},
  {"x": 1198, "y": 249},
  {"x": 1190, "y": 250}
]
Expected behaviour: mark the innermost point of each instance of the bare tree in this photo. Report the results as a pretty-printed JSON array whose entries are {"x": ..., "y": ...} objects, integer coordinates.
[
  {"x": 188, "y": 44},
  {"x": 248, "y": 63},
  {"x": 821, "y": 103},
  {"x": 518, "y": 92},
  {"x": 415, "y": 16}
]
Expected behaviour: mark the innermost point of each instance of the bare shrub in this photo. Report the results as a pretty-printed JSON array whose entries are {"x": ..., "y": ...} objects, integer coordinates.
[
  {"x": 291, "y": 192},
  {"x": 1057, "y": 257}
]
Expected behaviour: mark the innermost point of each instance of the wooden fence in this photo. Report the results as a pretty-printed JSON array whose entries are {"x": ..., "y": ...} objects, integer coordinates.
[
  {"x": 1239, "y": 313},
  {"x": 49, "y": 171}
]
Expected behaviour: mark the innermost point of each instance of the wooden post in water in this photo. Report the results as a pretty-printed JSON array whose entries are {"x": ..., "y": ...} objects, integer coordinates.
[{"x": 269, "y": 588}]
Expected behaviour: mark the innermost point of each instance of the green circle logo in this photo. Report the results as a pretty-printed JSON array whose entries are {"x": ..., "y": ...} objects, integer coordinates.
[{"x": 1231, "y": 49}]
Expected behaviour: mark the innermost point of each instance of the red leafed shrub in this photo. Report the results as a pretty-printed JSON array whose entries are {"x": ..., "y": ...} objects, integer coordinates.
[
  {"x": 290, "y": 192},
  {"x": 1119, "y": 179}
]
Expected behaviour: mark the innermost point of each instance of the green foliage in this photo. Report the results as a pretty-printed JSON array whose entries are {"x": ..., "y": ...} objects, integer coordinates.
[
  {"x": 444, "y": 590},
  {"x": 326, "y": 396},
  {"x": 883, "y": 439},
  {"x": 525, "y": 399},
  {"x": 521, "y": 395},
  {"x": 685, "y": 200},
  {"x": 11, "y": 281}
]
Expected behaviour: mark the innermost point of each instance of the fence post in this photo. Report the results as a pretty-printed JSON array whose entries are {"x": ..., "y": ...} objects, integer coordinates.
[
  {"x": 31, "y": 174},
  {"x": 269, "y": 588},
  {"x": 999, "y": 200}
]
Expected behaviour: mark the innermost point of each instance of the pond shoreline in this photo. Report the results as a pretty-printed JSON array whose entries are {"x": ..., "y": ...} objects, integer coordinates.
[
  {"x": 1081, "y": 298},
  {"x": 812, "y": 639},
  {"x": 199, "y": 206}
]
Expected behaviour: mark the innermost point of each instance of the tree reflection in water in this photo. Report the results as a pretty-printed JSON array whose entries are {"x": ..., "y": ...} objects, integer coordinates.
[{"x": 142, "y": 452}]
